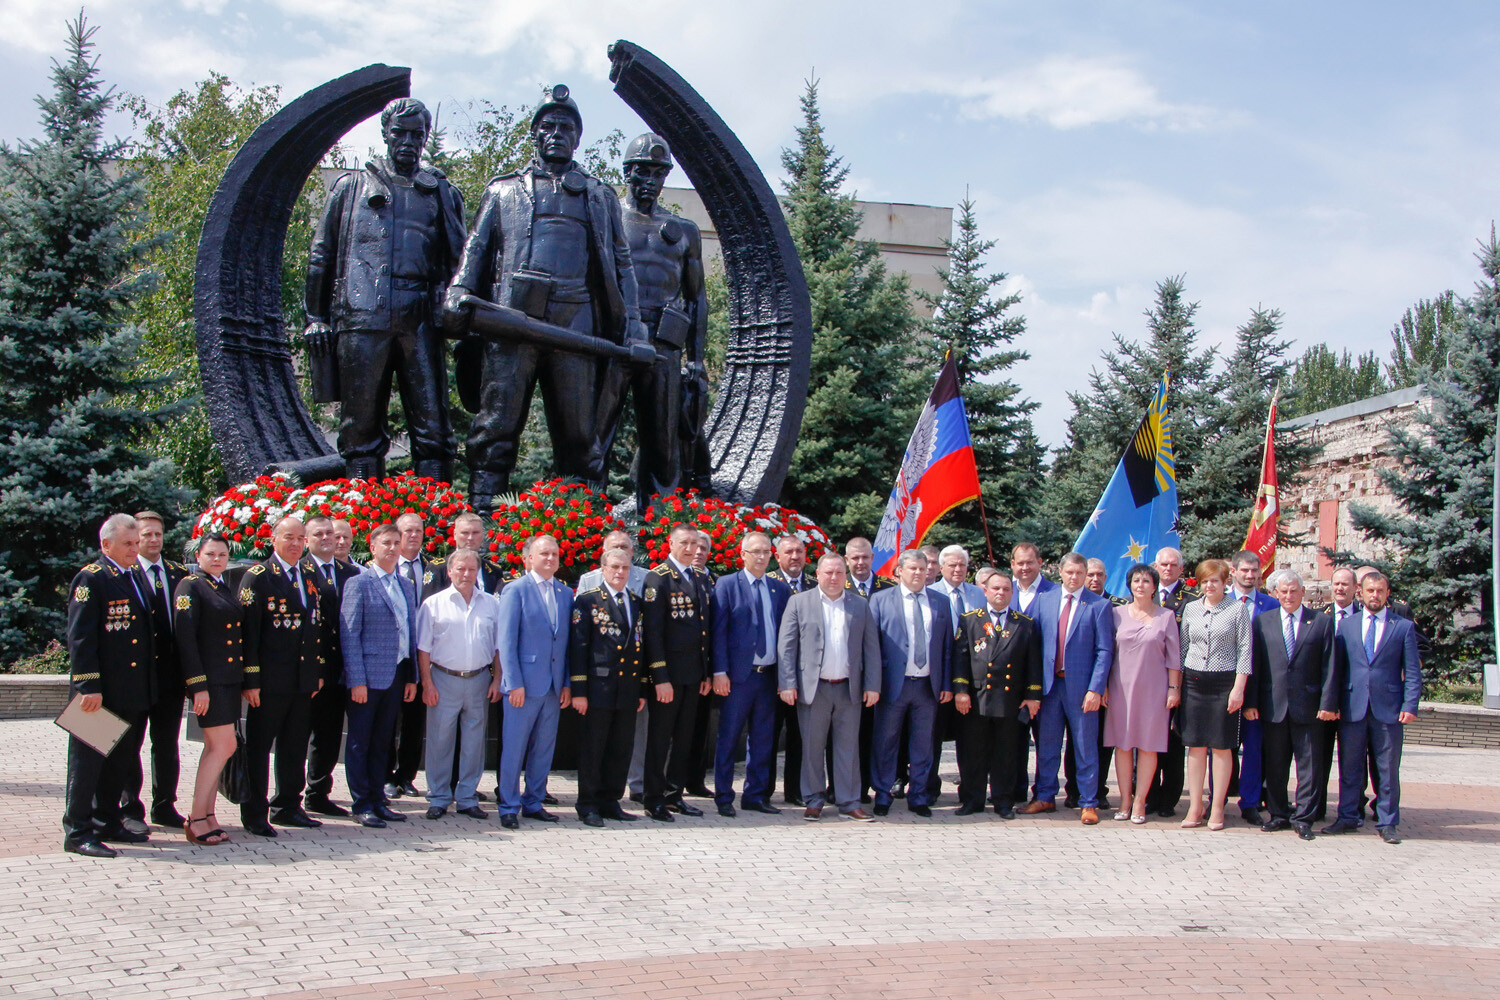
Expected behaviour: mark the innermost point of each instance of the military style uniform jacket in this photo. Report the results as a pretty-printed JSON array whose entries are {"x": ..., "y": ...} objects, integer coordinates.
[
  {"x": 283, "y": 635},
  {"x": 998, "y": 668},
  {"x": 878, "y": 584},
  {"x": 329, "y": 597},
  {"x": 210, "y": 644},
  {"x": 678, "y": 641},
  {"x": 604, "y": 654},
  {"x": 808, "y": 581},
  {"x": 1179, "y": 597},
  {"x": 110, "y": 637},
  {"x": 492, "y": 576},
  {"x": 164, "y": 628}
]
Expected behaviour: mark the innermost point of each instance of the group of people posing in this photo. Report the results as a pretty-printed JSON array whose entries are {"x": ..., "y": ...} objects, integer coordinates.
[{"x": 859, "y": 677}]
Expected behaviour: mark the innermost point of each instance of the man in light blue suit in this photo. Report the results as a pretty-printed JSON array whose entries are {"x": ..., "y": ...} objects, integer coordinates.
[
  {"x": 1382, "y": 673},
  {"x": 535, "y": 617},
  {"x": 748, "y": 606},
  {"x": 1078, "y": 638},
  {"x": 1246, "y": 569},
  {"x": 378, "y": 634},
  {"x": 916, "y": 654}
]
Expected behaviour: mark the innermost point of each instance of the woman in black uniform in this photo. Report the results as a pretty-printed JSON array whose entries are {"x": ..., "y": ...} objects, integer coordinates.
[{"x": 213, "y": 665}]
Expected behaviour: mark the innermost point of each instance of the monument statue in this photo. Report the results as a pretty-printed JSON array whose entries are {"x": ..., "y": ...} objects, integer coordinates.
[
  {"x": 671, "y": 394},
  {"x": 549, "y": 251},
  {"x": 389, "y": 238}
]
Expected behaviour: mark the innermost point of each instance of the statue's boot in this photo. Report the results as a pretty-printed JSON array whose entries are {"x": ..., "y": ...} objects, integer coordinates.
[{"x": 366, "y": 468}]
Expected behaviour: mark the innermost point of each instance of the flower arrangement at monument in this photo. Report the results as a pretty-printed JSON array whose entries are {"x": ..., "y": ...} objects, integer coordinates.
[
  {"x": 726, "y": 523},
  {"x": 247, "y": 513},
  {"x": 776, "y": 521},
  {"x": 575, "y": 515}
]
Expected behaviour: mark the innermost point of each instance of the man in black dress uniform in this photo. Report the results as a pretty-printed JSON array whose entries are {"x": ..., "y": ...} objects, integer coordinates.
[
  {"x": 997, "y": 672},
  {"x": 165, "y": 718},
  {"x": 283, "y": 635},
  {"x": 326, "y": 729},
  {"x": 109, "y": 652},
  {"x": 604, "y": 656},
  {"x": 676, "y": 607},
  {"x": 428, "y": 574}
]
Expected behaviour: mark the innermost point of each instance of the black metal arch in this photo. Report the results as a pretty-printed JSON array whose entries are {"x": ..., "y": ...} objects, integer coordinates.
[{"x": 249, "y": 387}]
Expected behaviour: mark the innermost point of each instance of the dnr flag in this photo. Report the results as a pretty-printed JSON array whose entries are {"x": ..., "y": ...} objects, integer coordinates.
[
  {"x": 1138, "y": 512},
  {"x": 937, "y": 474}
]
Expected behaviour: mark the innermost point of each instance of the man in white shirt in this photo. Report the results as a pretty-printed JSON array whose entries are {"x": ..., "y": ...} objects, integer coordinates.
[{"x": 456, "y": 656}]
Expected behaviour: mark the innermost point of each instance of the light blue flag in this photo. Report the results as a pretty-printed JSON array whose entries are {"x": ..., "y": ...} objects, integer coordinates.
[{"x": 1138, "y": 512}]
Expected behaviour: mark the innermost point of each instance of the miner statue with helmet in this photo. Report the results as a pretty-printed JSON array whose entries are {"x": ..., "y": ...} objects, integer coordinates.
[
  {"x": 671, "y": 394},
  {"x": 389, "y": 237},
  {"x": 548, "y": 242}
]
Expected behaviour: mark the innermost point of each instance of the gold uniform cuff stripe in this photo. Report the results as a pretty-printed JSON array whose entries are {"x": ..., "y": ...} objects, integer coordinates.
[
  {"x": 201, "y": 679},
  {"x": 85, "y": 677}
]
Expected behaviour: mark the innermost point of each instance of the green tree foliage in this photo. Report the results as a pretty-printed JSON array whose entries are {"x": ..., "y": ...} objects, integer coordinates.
[
  {"x": 1218, "y": 490},
  {"x": 1322, "y": 379},
  {"x": 181, "y": 151},
  {"x": 1441, "y": 532},
  {"x": 71, "y": 268},
  {"x": 1108, "y": 413},
  {"x": 973, "y": 320},
  {"x": 860, "y": 407},
  {"x": 1420, "y": 342}
]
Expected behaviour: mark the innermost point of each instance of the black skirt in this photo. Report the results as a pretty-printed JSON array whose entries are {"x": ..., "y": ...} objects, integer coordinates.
[
  {"x": 1202, "y": 720},
  {"x": 223, "y": 706}
]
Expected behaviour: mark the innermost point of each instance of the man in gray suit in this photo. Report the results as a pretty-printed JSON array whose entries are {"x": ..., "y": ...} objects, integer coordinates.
[{"x": 829, "y": 667}]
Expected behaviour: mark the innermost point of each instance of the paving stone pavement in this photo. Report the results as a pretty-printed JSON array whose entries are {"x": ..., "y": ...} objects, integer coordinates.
[{"x": 942, "y": 907}]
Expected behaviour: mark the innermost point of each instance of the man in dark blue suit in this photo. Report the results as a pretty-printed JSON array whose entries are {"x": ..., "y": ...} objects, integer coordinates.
[
  {"x": 1245, "y": 567},
  {"x": 748, "y": 606},
  {"x": 916, "y": 653},
  {"x": 1078, "y": 638},
  {"x": 378, "y": 632},
  {"x": 1377, "y": 654}
]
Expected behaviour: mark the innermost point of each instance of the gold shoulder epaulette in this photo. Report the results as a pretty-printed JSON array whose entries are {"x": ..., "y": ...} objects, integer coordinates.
[
  {"x": 662, "y": 569},
  {"x": 1022, "y": 615},
  {"x": 92, "y": 568},
  {"x": 972, "y": 612},
  {"x": 257, "y": 570}
]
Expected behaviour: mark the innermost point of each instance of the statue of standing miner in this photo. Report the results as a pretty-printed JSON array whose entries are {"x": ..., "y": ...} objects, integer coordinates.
[
  {"x": 389, "y": 238},
  {"x": 670, "y": 400},
  {"x": 548, "y": 242}
]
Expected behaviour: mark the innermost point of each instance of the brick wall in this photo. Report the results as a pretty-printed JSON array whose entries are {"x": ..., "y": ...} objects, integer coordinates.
[
  {"x": 32, "y": 696},
  {"x": 1440, "y": 725}
]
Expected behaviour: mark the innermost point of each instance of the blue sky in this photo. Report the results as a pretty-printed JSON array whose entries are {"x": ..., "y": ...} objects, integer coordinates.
[{"x": 1333, "y": 160}]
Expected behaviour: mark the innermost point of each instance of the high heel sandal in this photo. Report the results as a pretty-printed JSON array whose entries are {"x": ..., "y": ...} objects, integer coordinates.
[
  {"x": 1191, "y": 824},
  {"x": 206, "y": 840}
]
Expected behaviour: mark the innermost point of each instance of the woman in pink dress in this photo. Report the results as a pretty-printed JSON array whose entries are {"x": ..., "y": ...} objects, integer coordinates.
[{"x": 1144, "y": 686}]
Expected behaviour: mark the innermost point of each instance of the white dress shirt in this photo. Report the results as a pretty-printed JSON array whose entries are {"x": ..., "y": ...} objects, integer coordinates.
[
  {"x": 1062, "y": 603},
  {"x": 293, "y": 574},
  {"x": 1296, "y": 617},
  {"x": 923, "y": 607},
  {"x": 457, "y": 634},
  {"x": 614, "y": 595},
  {"x": 147, "y": 566},
  {"x": 949, "y": 591},
  {"x": 398, "y": 597},
  {"x": 1341, "y": 615},
  {"x": 1379, "y": 626},
  {"x": 835, "y": 666},
  {"x": 1025, "y": 595}
]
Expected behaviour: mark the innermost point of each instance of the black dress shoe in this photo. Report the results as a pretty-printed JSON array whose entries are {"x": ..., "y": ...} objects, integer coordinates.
[
  {"x": 1252, "y": 816},
  {"x": 727, "y": 811},
  {"x": 899, "y": 792},
  {"x": 392, "y": 790},
  {"x": 761, "y": 807},
  {"x": 684, "y": 808},
  {"x": 592, "y": 819},
  {"x": 1274, "y": 825},
  {"x": 370, "y": 820},
  {"x": 90, "y": 848},
  {"x": 388, "y": 814},
  {"x": 1070, "y": 802},
  {"x": 699, "y": 791},
  {"x": 409, "y": 790},
  {"x": 637, "y": 797},
  {"x": 866, "y": 798},
  {"x": 169, "y": 818},
  {"x": 1304, "y": 830},
  {"x": 1006, "y": 812},
  {"x": 967, "y": 809},
  {"x": 133, "y": 825},
  {"x": 882, "y": 810},
  {"x": 436, "y": 812},
  {"x": 324, "y": 806},
  {"x": 549, "y": 799},
  {"x": 1166, "y": 812},
  {"x": 541, "y": 816},
  {"x": 794, "y": 800},
  {"x": 661, "y": 815},
  {"x": 259, "y": 827},
  {"x": 510, "y": 821},
  {"x": 1338, "y": 826},
  {"x": 120, "y": 835},
  {"x": 615, "y": 812},
  {"x": 1389, "y": 835},
  {"x": 295, "y": 817},
  {"x": 482, "y": 796},
  {"x": 473, "y": 812},
  {"x": 924, "y": 811}
]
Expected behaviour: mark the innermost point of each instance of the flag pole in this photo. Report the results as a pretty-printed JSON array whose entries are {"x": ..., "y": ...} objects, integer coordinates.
[{"x": 985, "y": 521}]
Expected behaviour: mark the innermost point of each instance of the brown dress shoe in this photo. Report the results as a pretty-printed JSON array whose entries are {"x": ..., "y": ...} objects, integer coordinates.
[
  {"x": 1037, "y": 806},
  {"x": 1090, "y": 816},
  {"x": 812, "y": 814},
  {"x": 858, "y": 814}
]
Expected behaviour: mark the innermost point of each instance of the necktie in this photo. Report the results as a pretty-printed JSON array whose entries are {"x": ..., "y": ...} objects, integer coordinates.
[
  {"x": 328, "y": 573},
  {"x": 957, "y": 597},
  {"x": 409, "y": 570},
  {"x": 1062, "y": 631},
  {"x": 159, "y": 595},
  {"x": 550, "y": 601},
  {"x": 918, "y": 633},
  {"x": 1161, "y": 597},
  {"x": 296, "y": 584},
  {"x": 1370, "y": 639},
  {"x": 1291, "y": 634},
  {"x": 758, "y": 617},
  {"x": 624, "y": 607},
  {"x": 861, "y": 588}
]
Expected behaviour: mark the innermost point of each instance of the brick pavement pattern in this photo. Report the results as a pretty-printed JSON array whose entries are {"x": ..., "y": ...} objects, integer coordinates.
[{"x": 461, "y": 909}]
